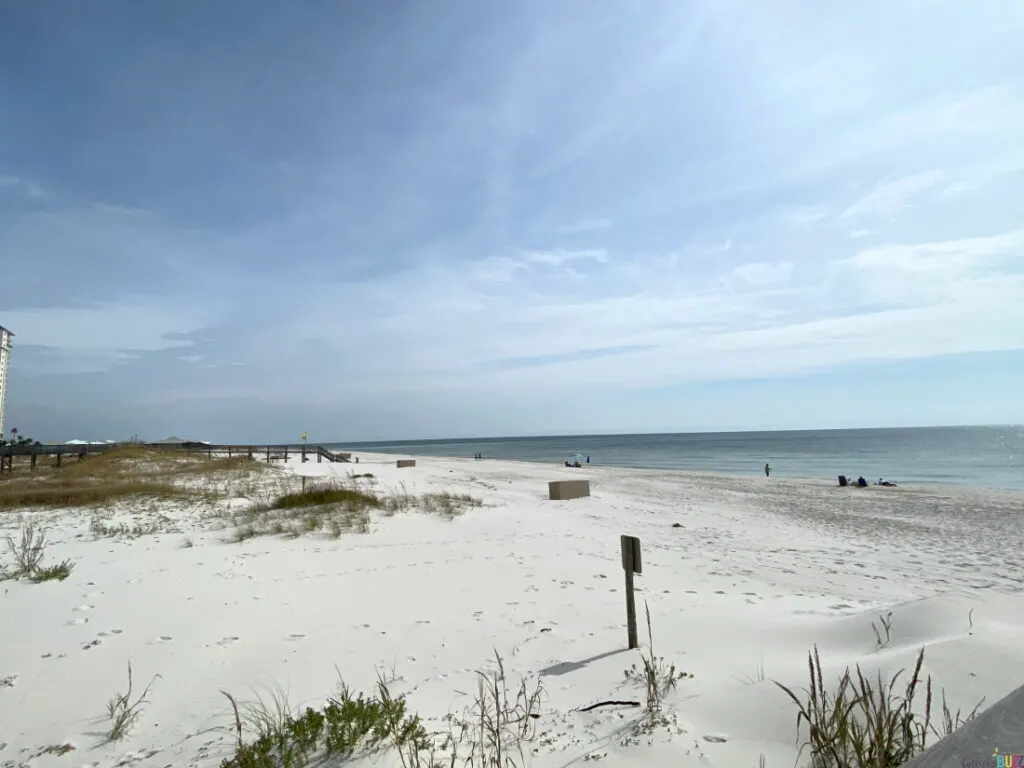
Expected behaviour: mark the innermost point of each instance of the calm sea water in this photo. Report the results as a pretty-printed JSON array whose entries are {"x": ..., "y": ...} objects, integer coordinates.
[{"x": 981, "y": 456}]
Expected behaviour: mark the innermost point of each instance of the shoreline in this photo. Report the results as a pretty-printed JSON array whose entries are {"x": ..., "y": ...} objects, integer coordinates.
[{"x": 753, "y": 477}]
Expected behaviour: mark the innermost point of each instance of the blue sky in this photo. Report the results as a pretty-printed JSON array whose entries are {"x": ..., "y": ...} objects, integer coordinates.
[{"x": 241, "y": 220}]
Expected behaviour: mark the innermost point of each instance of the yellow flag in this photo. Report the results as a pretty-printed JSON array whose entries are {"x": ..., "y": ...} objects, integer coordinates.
[{"x": 303, "y": 435}]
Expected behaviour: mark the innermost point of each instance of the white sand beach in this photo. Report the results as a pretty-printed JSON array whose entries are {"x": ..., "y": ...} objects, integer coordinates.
[{"x": 742, "y": 578}]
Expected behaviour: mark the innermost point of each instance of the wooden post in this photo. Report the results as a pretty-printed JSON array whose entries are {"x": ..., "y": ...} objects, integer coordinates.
[
  {"x": 268, "y": 454},
  {"x": 631, "y": 563},
  {"x": 250, "y": 453},
  {"x": 229, "y": 451},
  {"x": 32, "y": 461},
  {"x": 58, "y": 459},
  {"x": 303, "y": 452},
  {"x": 286, "y": 454}
]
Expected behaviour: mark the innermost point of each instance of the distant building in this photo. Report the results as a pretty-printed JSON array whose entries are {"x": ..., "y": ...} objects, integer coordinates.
[{"x": 5, "y": 361}]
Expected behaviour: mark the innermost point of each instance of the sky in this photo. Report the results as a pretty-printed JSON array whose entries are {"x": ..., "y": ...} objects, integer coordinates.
[{"x": 239, "y": 221}]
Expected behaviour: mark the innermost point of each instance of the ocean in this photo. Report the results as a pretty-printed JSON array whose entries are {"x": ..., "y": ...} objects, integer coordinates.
[{"x": 990, "y": 457}]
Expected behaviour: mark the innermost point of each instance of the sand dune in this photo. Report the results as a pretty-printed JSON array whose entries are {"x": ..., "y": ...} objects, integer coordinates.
[{"x": 756, "y": 573}]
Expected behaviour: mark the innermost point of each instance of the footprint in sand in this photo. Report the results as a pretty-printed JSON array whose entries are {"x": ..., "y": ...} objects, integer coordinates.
[
  {"x": 75, "y": 622},
  {"x": 85, "y": 607},
  {"x": 228, "y": 640},
  {"x": 164, "y": 639},
  {"x": 423, "y": 621},
  {"x": 296, "y": 636}
]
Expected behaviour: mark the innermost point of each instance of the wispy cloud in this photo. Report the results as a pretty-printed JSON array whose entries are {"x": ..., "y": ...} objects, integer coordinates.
[
  {"x": 430, "y": 216},
  {"x": 891, "y": 197},
  {"x": 19, "y": 186},
  {"x": 583, "y": 225}
]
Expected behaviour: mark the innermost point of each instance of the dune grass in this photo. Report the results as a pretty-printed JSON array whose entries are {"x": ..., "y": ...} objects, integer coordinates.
[
  {"x": 494, "y": 731},
  {"x": 346, "y": 725},
  {"x": 28, "y": 554},
  {"x": 327, "y": 494},
  {"x": 128, "y": 471},
  {"x": 866, "y": 723},
  {"x": 124, "y": 709},
  {"x": 337, "y": 507}
]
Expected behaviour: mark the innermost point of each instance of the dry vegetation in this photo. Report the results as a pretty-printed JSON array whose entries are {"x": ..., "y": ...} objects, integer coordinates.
[
  {"x": 28, "y": 553},
  {"x": 131, "y": 471},
  {"x": 494, "y": 732},
  {"x": 337, "y": 507},
  {"x": 246, "y": 494},
  {"x": 865, "y": 723}
]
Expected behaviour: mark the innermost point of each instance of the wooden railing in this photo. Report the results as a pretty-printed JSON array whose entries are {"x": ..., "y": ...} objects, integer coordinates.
[{"x": 269, "y": 453}]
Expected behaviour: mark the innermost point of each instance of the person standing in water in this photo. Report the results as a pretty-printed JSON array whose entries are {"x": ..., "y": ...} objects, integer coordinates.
[{"x": 767, "y": 470}]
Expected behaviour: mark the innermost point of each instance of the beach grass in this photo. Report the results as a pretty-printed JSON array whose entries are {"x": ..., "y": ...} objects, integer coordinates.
[
  {"x": 28, "y": 552},
  {"x": 869, "y": 723},
  {"x": 123, "y": 472},
  {"x": 495, "y": 730},
  {"x": 337, "y": 507}
]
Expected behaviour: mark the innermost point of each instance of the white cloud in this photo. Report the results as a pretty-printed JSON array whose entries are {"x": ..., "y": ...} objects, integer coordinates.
[
  {"x": 897, "y": 301},
  {"x": 764, "y": 273},
  {"x": 22, "y": 187},
  {"x": 806, "y": 217},
  {"x": 559, "y": 257},
  {"x": 891, "y": 197},
  {"x": 859, "y": 233},
  {"x": 109, "y": 332},
  {"x": 584, "y": 225}
]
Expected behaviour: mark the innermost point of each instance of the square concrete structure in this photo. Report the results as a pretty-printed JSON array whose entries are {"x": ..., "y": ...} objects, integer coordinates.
[
  {"x": 406, "y": 463},
  {"x": 563, "y": 490}
]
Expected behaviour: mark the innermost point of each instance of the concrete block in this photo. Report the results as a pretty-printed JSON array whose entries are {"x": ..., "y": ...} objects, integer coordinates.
[
  {"x": 406, "y": 463},
  {"x": 562, "y": 490}
]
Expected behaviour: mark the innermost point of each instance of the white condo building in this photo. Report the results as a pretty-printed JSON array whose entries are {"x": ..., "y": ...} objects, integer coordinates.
[{"x": 5, "y": 361}]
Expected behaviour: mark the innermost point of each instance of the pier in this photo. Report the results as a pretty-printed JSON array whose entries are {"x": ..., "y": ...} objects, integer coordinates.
[{"x": 79, "y": 451}]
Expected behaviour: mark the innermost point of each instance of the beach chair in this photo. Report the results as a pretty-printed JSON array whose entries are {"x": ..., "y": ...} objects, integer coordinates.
[{"x": 842, "y": 481}]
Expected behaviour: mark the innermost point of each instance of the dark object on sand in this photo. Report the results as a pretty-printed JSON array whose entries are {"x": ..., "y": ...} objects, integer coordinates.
[
  {"x": 842, "y": 481},
  {"x": 677, "y": 525},
  {"x": 610, "y": 704},
  {"x": 861, "y": 482}
]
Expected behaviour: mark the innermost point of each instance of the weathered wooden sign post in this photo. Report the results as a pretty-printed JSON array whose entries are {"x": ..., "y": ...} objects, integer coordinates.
[{"x": 631, "y": 563}]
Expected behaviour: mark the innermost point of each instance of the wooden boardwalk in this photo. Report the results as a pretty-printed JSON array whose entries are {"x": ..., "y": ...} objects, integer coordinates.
[{"x": 268, "y": 453}]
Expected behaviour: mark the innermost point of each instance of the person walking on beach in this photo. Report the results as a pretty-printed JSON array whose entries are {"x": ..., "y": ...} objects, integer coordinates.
[{"x": 767, "y": 470}]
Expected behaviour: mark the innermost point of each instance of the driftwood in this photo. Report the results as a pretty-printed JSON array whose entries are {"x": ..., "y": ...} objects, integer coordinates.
[{"x": 610, "y": 704}]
